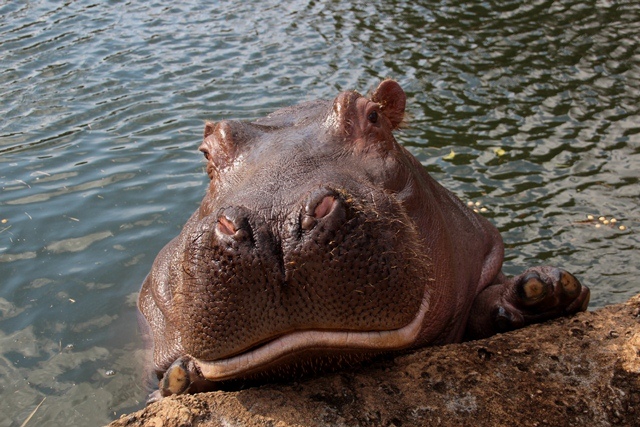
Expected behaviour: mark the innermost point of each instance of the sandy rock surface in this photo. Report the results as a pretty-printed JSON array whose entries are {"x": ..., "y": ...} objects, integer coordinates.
[{"x": 579, "y": 371}]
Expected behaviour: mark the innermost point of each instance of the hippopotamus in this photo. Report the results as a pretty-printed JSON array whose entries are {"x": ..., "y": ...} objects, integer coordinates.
[{"x": 321, "y": 242}]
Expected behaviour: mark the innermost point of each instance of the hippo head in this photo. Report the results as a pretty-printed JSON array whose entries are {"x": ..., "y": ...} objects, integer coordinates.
[{"x": 320, "y": 241}]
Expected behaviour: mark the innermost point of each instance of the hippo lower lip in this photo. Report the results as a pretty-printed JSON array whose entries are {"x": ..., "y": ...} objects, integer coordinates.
[{"x": 270, "y": 353}]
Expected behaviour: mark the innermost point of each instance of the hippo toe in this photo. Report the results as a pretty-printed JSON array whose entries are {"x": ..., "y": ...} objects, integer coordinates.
[{"x": 538, "y": 294}]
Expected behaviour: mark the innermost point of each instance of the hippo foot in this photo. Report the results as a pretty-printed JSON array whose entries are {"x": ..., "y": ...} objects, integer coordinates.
[
  {"x": 182, "y": 376},
  {"x": 537, "y": 295}
]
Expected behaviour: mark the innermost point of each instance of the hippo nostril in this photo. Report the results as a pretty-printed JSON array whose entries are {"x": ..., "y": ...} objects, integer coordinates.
[
  {"x": 225, "y": 226},
  {"x": 233, "y": 223},
  {"x": 319, "y": 205},
  {"x": 324, "y": 207}
]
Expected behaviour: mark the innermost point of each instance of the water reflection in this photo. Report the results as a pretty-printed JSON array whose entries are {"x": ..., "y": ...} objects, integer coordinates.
[{"x": 103, "y": 107}]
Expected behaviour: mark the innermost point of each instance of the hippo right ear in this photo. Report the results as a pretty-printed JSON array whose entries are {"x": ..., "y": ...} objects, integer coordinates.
[
  {"x": 205, "y": 148},
  {"x": 209, "y": 127},
  {"x": 218, "y": 146},
  {"x": 392, "y": 100}
]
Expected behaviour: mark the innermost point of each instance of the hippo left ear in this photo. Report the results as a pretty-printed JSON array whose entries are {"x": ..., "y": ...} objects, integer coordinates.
[{"x": 392, "y": 100}]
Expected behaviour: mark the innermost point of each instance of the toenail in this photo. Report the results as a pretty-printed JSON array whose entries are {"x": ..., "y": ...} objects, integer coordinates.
[
  {"x": 175, "y": 380},
  {"x": 570, "y": 284},
  {"x": 533, "y": 290}
]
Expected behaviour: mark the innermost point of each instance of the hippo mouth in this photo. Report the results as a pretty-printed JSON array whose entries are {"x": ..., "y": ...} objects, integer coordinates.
[
  {"x": 285, "y": 347},
  {"x": 188, "y": 374}
]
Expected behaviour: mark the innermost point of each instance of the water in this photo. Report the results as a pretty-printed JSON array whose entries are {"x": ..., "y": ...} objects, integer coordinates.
[{"x": 103, "y": 105}]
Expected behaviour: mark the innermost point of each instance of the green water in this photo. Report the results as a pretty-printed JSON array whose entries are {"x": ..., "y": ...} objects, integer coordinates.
[{"x": 103, "y": 105}]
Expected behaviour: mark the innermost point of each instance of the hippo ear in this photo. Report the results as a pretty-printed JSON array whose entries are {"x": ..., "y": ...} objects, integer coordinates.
[
  {"x": 219, "y": 145},
  {"x": 392, "y": 99},
  {"x": 208, "y": 144},
  {"x": 209, "y": 127}
]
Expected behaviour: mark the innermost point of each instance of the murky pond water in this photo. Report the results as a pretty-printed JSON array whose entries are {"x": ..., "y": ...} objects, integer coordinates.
[{"x": 529, "y": 109}]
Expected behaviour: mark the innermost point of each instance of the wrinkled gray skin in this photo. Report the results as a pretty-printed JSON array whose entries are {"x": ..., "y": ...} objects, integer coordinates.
[{"x": 321, "y": 241}]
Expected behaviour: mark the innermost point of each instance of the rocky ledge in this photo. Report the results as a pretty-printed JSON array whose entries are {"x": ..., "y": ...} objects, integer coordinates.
[{"x": 578, "y": 371}]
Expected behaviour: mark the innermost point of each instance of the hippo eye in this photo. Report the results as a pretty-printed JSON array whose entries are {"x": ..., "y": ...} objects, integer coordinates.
[
  {"x": 206, "y": 154},
  {"x": 373, "y": 116}
]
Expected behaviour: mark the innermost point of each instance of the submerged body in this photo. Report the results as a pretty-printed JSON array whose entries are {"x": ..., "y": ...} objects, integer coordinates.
[{"x": 320, "y": 239}]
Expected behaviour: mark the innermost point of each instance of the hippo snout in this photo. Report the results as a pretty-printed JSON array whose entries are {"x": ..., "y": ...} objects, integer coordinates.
[
  {"x": 250, "y": 245},
  {"x": 247, "y": 275}
]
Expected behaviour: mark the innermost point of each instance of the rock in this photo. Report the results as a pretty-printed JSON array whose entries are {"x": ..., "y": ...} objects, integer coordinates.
[{"x": 577, "y": 371}]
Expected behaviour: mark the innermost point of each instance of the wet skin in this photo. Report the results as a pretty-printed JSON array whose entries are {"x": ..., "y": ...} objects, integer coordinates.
[{"x": 321, "y": 241}]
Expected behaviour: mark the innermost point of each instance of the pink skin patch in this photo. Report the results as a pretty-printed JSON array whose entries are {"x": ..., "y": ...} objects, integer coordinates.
[
  {"x": 324, "y": 207},
  {"x": 225, "y": 226}
]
